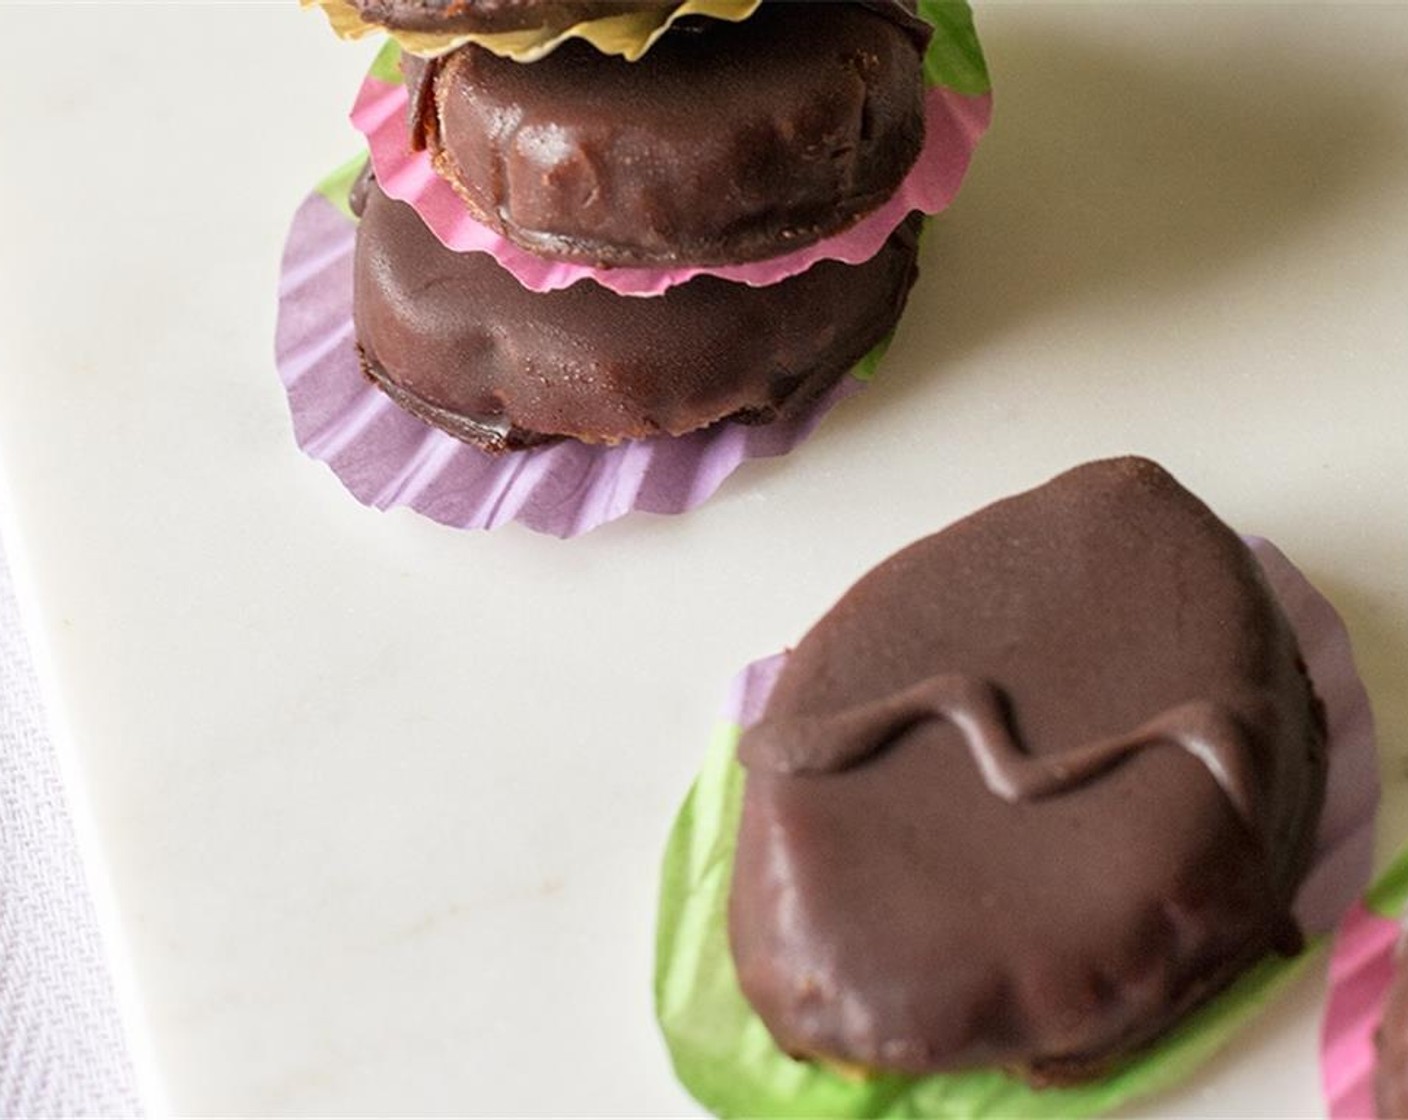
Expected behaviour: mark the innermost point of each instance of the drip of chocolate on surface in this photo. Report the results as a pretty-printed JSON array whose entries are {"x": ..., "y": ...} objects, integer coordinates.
[{"x": 832, "y": 743}]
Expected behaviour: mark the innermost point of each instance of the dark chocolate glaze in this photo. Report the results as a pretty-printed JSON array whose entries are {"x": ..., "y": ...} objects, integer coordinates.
[
  {"x": 459, "y": 342},
  {"x": 488, "y": 16},
  {"x": 1064, "y": 785},
  {"x": 732, "y": 143},
  {"x": 1391, "y": 1074}
]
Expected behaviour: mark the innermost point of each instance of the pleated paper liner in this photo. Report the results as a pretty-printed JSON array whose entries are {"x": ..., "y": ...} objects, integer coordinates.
[
  {"x": 629, "y": 34},
  {"x": 1366, "y": 951},
  {"x": 724, "y": 1055},
  {"x": 958, "y": 108},
  {"x": 387, "y": 458}
]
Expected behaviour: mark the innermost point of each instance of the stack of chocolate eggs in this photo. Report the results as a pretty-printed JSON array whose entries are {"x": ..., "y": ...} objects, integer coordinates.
[{"x": 718, "y": 149}]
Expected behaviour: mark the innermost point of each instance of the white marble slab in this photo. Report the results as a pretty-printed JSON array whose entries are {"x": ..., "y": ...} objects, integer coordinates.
[{"x": 382, "y": 803}]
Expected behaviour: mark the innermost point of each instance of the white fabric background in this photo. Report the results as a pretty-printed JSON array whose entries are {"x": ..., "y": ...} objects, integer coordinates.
[{"x": 63, "y": 1050}]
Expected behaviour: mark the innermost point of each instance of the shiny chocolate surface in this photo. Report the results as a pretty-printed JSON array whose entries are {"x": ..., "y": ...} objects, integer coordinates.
[
  {"x": 1034, "y": 788},
  {"x": 470, "y": 350},
  {"x": 726, "y": 143}
]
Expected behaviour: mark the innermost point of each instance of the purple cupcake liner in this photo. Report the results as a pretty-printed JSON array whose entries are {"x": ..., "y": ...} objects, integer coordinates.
[{"x": 387, "y": 458}]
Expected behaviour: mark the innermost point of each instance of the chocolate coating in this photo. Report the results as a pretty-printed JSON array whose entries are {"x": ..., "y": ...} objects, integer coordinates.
[
  {"x": 458, "y": 341},
  {"x": 1037, "y": 786},
  {"x": 726, "y": 143},
  {"x": 488, "y": 16},
  {"x": 1391, "y": 1074}
]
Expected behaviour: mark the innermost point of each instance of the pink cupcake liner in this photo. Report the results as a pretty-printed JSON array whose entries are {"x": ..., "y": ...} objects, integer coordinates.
[
  {"x": 954, "y": 122},
  {"x": 1363, "y": 964},
  {"x": 1361, "y": 969},
  {"x": 387, "y": 458}
]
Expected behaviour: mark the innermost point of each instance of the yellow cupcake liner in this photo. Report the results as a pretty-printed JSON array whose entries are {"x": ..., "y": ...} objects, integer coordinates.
[{"x": 629, "y": 34}]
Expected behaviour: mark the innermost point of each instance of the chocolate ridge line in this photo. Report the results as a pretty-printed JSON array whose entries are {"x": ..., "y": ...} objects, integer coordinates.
[
  {"x": 493, "y": 435},
  {"x": 497, "y": 436},
  {"x": 792, "y": 745}
]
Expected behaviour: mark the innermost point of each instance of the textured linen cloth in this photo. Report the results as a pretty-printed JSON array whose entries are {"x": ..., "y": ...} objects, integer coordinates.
[{"x": 63, "y": 1048}]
